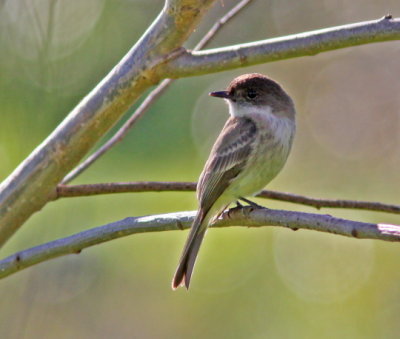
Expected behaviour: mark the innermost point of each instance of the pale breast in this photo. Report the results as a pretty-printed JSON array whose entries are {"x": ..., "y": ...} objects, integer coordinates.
[{"x": 267, "y": 159}]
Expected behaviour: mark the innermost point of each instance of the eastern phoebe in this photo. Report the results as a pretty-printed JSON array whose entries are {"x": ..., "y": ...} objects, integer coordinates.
[{"x": 249, "y": 152}]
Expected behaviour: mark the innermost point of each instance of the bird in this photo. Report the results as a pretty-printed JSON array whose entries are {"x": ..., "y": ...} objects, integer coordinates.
[{"x": 250, "y": 151}]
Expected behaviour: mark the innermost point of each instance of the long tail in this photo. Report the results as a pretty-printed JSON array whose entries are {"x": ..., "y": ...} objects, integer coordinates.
[{"x": 185, "y": 268}]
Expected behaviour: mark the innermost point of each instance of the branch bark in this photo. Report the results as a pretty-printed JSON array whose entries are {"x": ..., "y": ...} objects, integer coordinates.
[
  {"x": 34, "y": 181},
  {"x": 157, "y": 55},
  {"x": 291, "y": 46},
  {"x": 247, "y": 216},
  {"x": 64, "y": 191}
]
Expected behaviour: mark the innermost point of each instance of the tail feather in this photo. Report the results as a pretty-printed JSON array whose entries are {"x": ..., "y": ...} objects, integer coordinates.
[{"x": 188, "y": 259}]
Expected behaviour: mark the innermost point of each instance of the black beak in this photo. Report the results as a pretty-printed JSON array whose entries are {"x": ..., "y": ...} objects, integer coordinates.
[{"x": 221, "y": 94}]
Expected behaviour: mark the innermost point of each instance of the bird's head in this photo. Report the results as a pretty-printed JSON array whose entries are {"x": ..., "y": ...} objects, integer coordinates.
[{"x": 250, "y": 93}]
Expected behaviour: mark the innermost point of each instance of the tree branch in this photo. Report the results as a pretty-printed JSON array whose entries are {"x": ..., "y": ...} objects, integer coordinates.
[
  {"x": 34, "y": 182},
  {"x": 246, "y": 216},
  {"x": 64, "y": 191},
  {"x": 152, "y": 58},
  {"x": 151, "y": 98},
  {"x": 291, "y": 46}
]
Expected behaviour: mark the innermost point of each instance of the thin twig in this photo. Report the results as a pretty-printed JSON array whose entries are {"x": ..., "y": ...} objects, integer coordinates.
[
  {"x": 121, "y": 133},
  {"x": 64, "y": 191},
  {"x": 151, "y": 98},
  {"x": 218, "y": 25},
  {"x": 247, "y": 216}
]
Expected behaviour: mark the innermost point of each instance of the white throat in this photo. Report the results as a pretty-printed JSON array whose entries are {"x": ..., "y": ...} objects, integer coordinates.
[
  {"x": 282, "y": 127},
  {"x": 240, "y": 111}
]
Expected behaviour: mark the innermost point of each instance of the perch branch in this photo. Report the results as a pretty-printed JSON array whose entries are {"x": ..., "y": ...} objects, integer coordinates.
[
  {"x": 64, "y": 191},
  {"x": 247, "y": 216},
  {"x": 151, "y": 98}
]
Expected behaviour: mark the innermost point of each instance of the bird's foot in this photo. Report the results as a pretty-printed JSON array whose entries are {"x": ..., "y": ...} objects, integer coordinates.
[
  {"x": 238, "y": 207},
  {"x": 251, "y": 203}
]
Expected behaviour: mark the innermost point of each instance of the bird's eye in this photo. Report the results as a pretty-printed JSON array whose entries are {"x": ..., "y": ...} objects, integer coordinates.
[{"x": 251, "y": 93}]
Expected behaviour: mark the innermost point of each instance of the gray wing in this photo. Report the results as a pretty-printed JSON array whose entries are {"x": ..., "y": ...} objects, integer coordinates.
[{"x": 227, "y": 159}]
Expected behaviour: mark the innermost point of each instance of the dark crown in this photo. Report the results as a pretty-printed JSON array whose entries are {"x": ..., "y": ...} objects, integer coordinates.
[
  {"x": 257, "y": 89},
  {"x": 254, "y": 80}
]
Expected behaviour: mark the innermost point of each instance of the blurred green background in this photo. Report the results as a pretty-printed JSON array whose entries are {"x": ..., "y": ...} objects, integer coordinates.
[{"x": 248, "y": 283}]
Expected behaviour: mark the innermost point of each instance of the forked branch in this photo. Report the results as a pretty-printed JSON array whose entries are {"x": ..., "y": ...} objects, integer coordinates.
[{"x": 151, "y": 98}]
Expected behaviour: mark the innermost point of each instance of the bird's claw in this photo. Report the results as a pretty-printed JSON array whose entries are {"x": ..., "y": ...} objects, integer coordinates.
[
  {"x": 238, "y": 207},
  {"x": 251, "y": 203}
]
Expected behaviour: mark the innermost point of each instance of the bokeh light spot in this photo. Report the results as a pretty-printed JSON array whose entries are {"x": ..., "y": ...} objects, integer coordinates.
[{"x": 320, "y": 267}]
